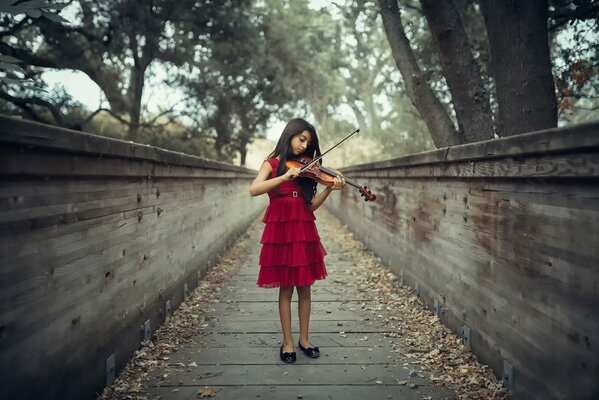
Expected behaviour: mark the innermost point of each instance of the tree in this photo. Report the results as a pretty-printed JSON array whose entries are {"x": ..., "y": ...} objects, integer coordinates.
[
  {"x": 461, "y": 71},
  {"x": 233, "y": 86},
  {"x": 575, "y": 58},
  {"x": 14, "y": 8},
  {"x": 389, "y": 127},
  {"x": 272, "y": 59},
  {"x": 114, "y": 42},
  {"x": 525, "y": 97},
  {"x": 428, "y": 105},
  {"x": 521, "y": 65}
]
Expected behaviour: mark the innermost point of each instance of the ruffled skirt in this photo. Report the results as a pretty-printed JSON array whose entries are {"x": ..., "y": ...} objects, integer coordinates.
[{"x": 292, "y": 254}]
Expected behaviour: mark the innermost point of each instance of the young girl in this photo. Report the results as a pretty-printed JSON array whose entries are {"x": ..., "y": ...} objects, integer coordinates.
[{"x": 292, "y": 255}]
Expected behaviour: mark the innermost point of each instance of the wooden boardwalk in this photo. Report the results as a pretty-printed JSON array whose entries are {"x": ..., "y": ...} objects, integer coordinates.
[{"x": 238, "y": 358}]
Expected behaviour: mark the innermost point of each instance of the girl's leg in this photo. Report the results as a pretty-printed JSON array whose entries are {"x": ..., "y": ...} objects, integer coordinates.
[
  {"x": 304, "y": 294},
  {"x": 285, "y": 294}
]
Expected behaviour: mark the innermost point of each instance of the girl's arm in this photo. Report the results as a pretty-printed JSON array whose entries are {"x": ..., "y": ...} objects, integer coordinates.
[
  {"x": 322, "y": 196},
  {"x": 262, "y": 184}
]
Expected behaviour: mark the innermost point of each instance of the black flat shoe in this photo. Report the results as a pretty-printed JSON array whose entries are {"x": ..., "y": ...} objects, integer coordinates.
[
  {"x": 287, "y": 358},
  {"x": 311, "y": 352}
]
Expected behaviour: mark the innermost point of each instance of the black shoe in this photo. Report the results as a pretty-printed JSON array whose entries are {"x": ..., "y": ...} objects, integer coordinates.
[
  {"x": 287, "y": 358},
  {"x": 311, "y": 352}
]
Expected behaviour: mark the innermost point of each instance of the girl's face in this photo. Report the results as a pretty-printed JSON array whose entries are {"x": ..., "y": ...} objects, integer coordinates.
[{"x": 300, "y": 142}]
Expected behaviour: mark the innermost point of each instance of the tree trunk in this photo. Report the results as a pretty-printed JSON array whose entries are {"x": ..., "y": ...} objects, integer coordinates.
[
  {"x": 437, "y": 120},
  {"x": 462, "y": 73},
  {"x": 141, "y": 60},
  {"x": 521, "y": 65},
  {"x": 242, "y": 154},
  {"x": 137, "y": 80},
  {"x": 220, "y": 122}
]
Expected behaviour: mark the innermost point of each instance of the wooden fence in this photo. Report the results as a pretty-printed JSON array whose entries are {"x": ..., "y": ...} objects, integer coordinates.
[
  {"x": 98, "y": 239},
  {"x": 501, "y": 240}
]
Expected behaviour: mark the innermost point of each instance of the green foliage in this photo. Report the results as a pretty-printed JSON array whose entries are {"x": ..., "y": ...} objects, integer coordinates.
[
  {"x": 243, "y": 65},
  {"x": 271, "y": 60},
  {"x": 11, "y": 72},
  {"x": 575, "y": 51},
  {"x": 173, "y": 136},
  {"x": 371, "y": 94}
]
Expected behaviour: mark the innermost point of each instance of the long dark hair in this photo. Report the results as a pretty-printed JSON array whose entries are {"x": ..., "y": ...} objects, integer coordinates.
[{"x": 283, "y": 149}]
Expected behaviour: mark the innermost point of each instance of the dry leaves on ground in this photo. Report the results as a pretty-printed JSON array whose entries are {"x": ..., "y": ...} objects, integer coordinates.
[
  {"x": 208, "y": 392},
  {"x": 437, "y": 350},
  {"x": 187, "y": 321}
]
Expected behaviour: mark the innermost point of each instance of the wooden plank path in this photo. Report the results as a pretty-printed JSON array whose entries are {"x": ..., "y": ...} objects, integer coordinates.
[{"x": 238, "y": 355}]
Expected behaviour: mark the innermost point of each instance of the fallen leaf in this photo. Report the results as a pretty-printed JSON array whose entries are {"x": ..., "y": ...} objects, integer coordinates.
[{"x": 208, "y": 392}]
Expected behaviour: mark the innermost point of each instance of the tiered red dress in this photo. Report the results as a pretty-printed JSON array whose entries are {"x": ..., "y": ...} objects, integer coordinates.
[{"x": 292, "y": 254}]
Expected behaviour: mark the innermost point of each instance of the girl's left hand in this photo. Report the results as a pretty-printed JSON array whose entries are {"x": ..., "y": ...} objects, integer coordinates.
[{"x": 338, "y": 182}]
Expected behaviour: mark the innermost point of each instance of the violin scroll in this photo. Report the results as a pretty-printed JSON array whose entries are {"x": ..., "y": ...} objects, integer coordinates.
[{"x": 367, "y": 194}]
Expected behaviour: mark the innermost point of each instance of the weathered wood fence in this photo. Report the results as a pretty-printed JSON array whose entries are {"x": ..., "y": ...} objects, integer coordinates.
[
  {"x": 98, "y": 239},
  {"x": 501, "y": 240}
]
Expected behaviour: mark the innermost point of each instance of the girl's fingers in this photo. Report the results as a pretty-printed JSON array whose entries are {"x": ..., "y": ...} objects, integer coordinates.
[
  {"x": 294, "y": 173},
  {"x": 337, "y": 183}
]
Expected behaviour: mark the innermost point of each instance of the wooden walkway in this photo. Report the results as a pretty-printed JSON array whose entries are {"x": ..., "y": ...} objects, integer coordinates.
[{"x": 237, "y": 357}]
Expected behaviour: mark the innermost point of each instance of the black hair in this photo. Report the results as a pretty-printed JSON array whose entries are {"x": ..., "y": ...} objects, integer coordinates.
[{"x": 283, "y": 149}]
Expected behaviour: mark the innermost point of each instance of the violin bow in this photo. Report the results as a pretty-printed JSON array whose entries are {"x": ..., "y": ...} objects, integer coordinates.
[{"x": 322, "y": 155}]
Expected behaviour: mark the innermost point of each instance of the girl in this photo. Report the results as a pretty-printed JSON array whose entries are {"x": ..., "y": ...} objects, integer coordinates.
[{"x": 292, "y": 255}]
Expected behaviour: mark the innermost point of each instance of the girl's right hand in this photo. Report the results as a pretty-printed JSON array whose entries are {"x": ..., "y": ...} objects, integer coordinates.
[{"x": 292, "y": 173}]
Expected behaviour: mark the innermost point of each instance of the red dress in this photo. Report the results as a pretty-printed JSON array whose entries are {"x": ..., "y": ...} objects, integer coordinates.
[{"x": 292, "y": 254}]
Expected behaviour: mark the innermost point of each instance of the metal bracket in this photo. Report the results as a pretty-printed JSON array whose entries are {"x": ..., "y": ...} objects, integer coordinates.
[
  {"x": 110, "y": 370},
  {"x": 146, "y": 330},
  {"x": 466, "y": 336},
  {"x": 167, "y": 311},
  {"x": 508, "y": 375},
  {"x": 440, "y": 306}
]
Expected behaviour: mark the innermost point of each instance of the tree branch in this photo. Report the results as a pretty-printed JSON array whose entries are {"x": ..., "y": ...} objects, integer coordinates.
[
  {"x": 109, "y": 111},
  {"x": 165, "y": 112},
  {"x": 565, "y": 14},
  {"x": 26, "y": 56},
  {"x": 26, "y": 101}
]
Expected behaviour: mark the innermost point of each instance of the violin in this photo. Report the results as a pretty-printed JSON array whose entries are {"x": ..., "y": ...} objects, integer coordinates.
[{"x": 325, "y": 176}]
